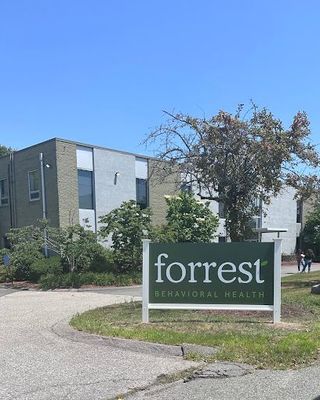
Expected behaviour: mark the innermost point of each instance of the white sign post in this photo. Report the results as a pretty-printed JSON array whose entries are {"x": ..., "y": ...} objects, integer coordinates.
[
  {"x": 277, "y": 281},
  {"x": 145, "y": 280}
]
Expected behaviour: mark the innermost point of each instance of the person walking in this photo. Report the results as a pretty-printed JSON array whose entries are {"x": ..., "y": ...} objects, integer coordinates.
[
  {"x": 309, "y": 257},
  {"x": 300, "y": 259}
]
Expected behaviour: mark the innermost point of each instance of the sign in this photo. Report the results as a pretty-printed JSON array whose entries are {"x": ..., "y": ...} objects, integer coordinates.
[{"x": 212, "y": 276}]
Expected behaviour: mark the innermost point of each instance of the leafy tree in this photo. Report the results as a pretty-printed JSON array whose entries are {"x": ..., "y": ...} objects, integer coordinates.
[
  {"x": 188, "y": 220},
  {"x": 237, "y": 159},
  {"x": 311, "y": 231},
  {"x": 25, "y": 248},
  {"x": 5, "y": 150},
  {"x": 127, "y": 226},
  {"x": 76, "y": 246}
]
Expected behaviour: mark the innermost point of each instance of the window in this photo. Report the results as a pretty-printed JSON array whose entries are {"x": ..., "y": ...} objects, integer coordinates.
[
  {"x": 34, "y": 185},
  {"x": 221, "y": 212},
  {"x": 186, "y": 187},
  {"x": 142, "y": 192},
  {"x": 85, "y": 188},
  {"x": 4, "y": 198},
  {"x": 299, "y": 211}
]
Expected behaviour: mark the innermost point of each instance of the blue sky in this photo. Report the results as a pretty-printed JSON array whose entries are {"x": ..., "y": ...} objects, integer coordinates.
[{"x": 102, "y": 71}]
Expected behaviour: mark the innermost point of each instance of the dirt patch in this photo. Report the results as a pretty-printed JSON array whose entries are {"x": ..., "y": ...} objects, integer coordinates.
[{"x": 290, "y": 326}]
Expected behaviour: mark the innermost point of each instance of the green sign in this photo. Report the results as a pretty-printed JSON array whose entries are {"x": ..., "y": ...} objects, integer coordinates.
[{"x": 201, "y": 273}]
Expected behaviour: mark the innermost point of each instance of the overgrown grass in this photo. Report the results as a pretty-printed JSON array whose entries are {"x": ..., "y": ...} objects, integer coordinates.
[{"x": 247, "y": 337}]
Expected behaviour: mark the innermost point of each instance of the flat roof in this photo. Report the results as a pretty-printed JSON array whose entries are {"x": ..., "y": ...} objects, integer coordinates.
[{"x": 85, "y": 145}]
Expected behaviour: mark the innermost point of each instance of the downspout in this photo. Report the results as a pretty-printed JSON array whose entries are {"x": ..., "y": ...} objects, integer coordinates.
[{"x": 44, "y": 209}]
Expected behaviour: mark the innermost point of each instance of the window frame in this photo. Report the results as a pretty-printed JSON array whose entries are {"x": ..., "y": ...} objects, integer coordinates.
[
  {"x": 32, "y": 192},
  {"x": 79, "y": 170},
  {"x": 6, "y": 203},
  {"x": 146, "y": 204}
]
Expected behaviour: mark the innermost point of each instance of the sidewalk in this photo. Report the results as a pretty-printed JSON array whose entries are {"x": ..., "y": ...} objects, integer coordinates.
[{"x": 291, "y": 268}]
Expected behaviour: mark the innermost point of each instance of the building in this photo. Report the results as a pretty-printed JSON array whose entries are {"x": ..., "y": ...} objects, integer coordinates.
[{"x": 68, "y": 182}]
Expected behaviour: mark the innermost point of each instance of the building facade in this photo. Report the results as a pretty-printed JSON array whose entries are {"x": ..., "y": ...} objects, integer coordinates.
[{"x": 68, "y": 182}]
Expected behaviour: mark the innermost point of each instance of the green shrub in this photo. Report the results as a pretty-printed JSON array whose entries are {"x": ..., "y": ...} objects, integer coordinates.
[
  {"x": 3, "y": 274},
  {"x": 71, "y": 280},
  {"x": 99, "y": 279},
  {"x": 123, "y": 280},
  {"x": 45, "y": 266},
  {"x": 136, "y": 277},
  {"x": 110, "y": 279},
  {"x": 103, "y": 261},
  {"x": 127, "y": 225},
  {"x": 22, "y": 259},
  {"x": 51, "y": 281},
  {"x": 75, "y": 280}
]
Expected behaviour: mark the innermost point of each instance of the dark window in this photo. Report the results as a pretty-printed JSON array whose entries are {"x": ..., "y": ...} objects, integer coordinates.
[
  {"x": 221, "y": 210},
  {"x": 34, "y": 185},
  {"x": 299, "y": 207},
  {"x": 85, "y": 188},
  {"x": 222, "y": 239},
  {"x": 4, "y": 198},
  {"x": 142, "y": 192}
]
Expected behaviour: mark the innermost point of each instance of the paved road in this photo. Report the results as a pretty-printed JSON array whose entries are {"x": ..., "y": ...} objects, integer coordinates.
[
  {"x": 262, "y": 385},
  {"x": 42, "y": 359}
]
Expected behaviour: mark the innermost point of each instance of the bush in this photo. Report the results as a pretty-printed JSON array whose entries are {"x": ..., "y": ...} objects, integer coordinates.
[
  {"x": 45, "y": 266},
  {"x": 99, "y": 279},
  {"x": 75, "y": 280},
  {"x": 51, "y": 281},
  {"x": 103, "y": 261},
  {"x": 3, "y": 274},
  {"x": 127, "y": 225},
  {"x": 22, "y": 260}
]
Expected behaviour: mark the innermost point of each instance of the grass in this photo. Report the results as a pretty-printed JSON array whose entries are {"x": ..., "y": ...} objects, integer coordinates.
[{"x": 247, "y": 337}]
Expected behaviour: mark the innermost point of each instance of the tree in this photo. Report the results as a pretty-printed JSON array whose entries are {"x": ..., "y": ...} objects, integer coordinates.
[
  {"x": 127, "y": 225},
  {"x": 25, "y": 248},
  {"x": 239, "y": 159},
  {"x": 76, "y": 246},
  {"x": 188, "y": 220},
  {"x": 311, "y": 231},
  {"x": 5, "y": 150}
]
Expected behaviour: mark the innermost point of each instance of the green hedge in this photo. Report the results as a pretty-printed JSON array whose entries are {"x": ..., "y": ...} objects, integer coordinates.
[{"x": 74, "y": 280}]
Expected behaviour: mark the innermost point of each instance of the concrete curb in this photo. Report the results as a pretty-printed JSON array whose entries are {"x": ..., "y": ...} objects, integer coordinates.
[{"x": 64, "y": 330}]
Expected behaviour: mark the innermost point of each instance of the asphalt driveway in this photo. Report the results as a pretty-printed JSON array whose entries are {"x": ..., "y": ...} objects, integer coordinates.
[{"x": 40, "y": 359}]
